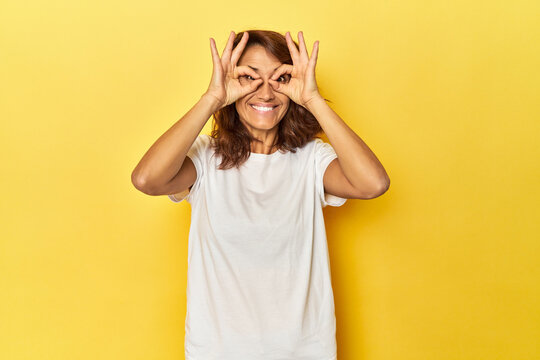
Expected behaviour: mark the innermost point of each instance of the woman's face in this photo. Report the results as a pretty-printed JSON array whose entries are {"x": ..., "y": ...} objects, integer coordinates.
[{"x": 263, "y": 63}]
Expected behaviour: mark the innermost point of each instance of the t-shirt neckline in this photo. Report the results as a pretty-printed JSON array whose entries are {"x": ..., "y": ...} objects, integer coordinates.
[{"x": 258, "y": 156}]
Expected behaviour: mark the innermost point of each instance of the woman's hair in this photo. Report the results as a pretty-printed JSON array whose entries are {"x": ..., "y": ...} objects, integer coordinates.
[{"x": 231, "y": 139}]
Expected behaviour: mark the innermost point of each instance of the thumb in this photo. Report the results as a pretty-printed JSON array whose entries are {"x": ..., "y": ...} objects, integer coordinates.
[
  {"x": 251, "y": 87},
  {"x": 277, "y": 86},
  {"x": 255, "y": 84}
]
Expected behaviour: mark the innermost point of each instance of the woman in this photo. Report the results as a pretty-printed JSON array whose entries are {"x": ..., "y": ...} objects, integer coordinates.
[{"x": 259, "y": 284}]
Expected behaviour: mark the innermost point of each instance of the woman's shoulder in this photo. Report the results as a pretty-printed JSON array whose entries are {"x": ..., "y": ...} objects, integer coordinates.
[
  {"x": 205, "y": 137},
  {"x": 200, "y": 146},
  {"x": 313, "y": 144},
  {"x": 203, "y": 141},
  {"x": 307, "y": 149},
  {"x": 315, "y": 148}
]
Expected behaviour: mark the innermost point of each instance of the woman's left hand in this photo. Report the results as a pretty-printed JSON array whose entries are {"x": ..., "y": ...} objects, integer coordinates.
[{"x": 301, "y": 86}]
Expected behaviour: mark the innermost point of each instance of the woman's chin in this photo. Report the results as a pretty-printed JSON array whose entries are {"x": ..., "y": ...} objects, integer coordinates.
[{"x": 262, "y": 124}]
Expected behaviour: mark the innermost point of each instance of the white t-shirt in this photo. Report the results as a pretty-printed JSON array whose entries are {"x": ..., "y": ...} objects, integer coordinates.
[{"x": 259, "y": 281}]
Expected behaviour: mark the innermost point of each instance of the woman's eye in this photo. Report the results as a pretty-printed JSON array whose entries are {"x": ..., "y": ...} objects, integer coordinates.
[
  {"x": 284, "y": 77},
  {"x": 249, "y": 77}
]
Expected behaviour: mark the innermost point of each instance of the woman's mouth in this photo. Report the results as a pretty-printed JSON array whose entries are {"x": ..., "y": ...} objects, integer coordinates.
[{"x": 263, "y": 109}]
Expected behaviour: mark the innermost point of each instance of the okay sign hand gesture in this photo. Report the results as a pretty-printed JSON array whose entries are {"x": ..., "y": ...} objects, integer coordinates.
[
  {"x": 224, "y": 85},
  {"x": 302, "y": 87}
]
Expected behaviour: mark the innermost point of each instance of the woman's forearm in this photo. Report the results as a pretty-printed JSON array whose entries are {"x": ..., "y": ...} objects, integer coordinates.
[
  {"x": 359, "y": 163},
  {"x": 165, "y": 157}
]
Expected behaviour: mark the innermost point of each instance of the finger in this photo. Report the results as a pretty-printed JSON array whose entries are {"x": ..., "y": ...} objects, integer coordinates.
[
  {"x": 247, "y": 89},
  {"x": 239, "y": 48},
  {"x": 314, "y": 54},
  {"x": 246, "y": 70},
  {"x": 228, "y": 47},
  {"x": 282, "y": 69},
  {"x": 303, "y": 49},
  {"x": 275, "y": 85},
  {"x": 255, "y": 84},
  {"x": 279, "y": 87},
  {"x": 215, "y": 55},
  {"x": 292, "y": 48}
]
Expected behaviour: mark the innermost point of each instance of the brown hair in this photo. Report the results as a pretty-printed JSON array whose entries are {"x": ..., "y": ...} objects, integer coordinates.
[{"x": 231, "y": 139}]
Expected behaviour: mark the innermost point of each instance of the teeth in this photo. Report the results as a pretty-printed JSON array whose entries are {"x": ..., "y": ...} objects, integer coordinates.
[{"x": 261, "y": 108}]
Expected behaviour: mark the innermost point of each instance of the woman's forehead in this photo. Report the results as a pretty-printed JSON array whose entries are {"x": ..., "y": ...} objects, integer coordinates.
[{"x": 259, "y": 59}]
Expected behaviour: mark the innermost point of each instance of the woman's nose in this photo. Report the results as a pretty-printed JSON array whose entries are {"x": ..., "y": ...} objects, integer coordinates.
[{"x": 265, "y": 90}]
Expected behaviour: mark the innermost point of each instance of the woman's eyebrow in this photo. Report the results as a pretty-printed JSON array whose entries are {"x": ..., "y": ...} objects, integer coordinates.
[{"x": 254, "y": 68}]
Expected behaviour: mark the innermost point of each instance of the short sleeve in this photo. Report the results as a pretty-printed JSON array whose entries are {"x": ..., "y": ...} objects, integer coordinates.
[
  {"x": 324, "y": 154},
  {"x": 197, "y": 154}
]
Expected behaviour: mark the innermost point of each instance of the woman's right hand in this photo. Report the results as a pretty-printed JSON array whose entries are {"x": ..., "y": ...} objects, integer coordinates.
[{"x": 224, "y": 85}]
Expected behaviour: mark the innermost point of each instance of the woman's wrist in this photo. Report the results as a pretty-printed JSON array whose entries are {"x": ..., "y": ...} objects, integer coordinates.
[
  {"x": 314, "y": 101},
  {"x": 212, "y": 101}
]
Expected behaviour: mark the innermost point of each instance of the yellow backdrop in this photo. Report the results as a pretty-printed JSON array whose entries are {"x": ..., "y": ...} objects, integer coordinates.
[{"x": 442, "y": 266}]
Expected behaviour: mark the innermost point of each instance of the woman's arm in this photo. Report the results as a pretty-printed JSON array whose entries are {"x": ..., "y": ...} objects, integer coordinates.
[
  {"x": 356, "y": 173},
  {"x": 163, "y": 161},
  {"x": 160, "y": 171}
]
